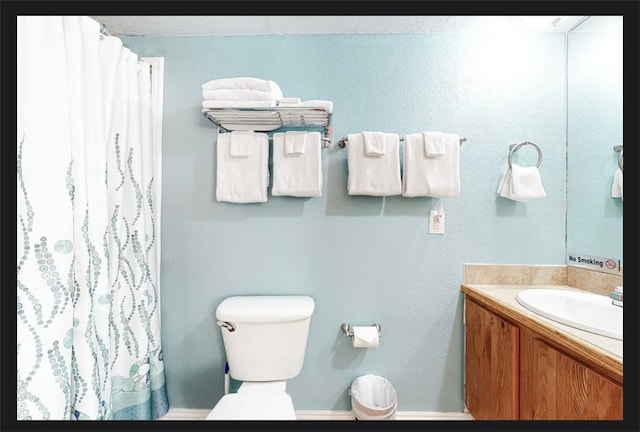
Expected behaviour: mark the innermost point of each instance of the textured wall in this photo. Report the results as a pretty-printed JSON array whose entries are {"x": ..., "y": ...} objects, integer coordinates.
[{"x": 363, "y": 259}]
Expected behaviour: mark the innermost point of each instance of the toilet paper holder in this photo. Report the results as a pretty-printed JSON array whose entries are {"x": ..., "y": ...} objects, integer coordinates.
[{"x": 349, "y": 333}]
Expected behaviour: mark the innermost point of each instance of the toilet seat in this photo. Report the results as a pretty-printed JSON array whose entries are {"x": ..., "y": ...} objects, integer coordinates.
[{"x": 255, "y": 401}]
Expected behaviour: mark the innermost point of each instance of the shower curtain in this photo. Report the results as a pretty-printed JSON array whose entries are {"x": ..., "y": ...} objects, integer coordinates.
[{"x": 88, "y": 232}]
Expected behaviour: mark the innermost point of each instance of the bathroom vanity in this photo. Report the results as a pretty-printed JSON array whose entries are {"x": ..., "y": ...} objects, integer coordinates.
[{"x": 522, "y": 366}]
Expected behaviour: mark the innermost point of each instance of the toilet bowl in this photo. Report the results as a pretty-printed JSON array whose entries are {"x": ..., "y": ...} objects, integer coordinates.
[
  {"x": 265, "y": 339},
  {"x": 255, "y": 401}
]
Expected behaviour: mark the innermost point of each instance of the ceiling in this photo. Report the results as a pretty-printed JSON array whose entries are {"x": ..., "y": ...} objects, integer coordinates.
[{"x": 211, "y": 25}]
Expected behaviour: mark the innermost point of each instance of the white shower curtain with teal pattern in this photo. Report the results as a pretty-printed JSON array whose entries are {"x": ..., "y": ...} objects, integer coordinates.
[{"x": 88, "y": 231}]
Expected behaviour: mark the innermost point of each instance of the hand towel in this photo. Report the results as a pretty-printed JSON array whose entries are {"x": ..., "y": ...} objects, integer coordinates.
[
  {"x": 373, "y": 175},
  {"x": 374, "y": 143},
  {"x": 521, "y": 183},
  {"x": 433, "y": 144},
  {"x": 240, "y": 143},
  {"x": 297, "y": 175},
  {"x": 239, "y": 94},
  {"x": 504, "y": 188},
  {"x": 242, "y": 180},
  {"x": 294, "y": 142},
  {"x": 616, "y": 188},
  {"x": 428, "y": 176},
  {"x": 248, "y": 83}
]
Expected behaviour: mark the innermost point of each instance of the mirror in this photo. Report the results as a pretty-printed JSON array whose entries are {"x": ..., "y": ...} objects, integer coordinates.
[{"x": 594, "y": 128}]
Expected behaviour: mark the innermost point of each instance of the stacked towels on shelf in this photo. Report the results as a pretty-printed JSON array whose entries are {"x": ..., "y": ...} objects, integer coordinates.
[
  {"x": 373, "y": 163},
  {"x": 297, "y": 164},
  {"x": 431, "y": 163},
  {"x": 521, "y": 184},
  {"x": 240, "y": 92},
  {"x": 242, "y": 174}
]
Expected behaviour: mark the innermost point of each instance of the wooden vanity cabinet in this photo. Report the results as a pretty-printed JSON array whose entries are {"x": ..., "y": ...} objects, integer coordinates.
[
  {"x": 491, "y": 365},
  {"x": 512, "y": 373},
  {"x": 553, "y": 386}
]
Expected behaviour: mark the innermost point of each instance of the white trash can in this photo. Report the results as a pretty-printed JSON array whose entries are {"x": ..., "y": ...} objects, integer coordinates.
[{"x": 373, "y": 398}]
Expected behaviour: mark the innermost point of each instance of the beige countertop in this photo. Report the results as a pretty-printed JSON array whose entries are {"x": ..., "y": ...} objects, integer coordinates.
[{"x": 502, "y": 298}]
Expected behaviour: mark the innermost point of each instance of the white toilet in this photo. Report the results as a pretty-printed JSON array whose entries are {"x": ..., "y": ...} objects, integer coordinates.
[{"x": 265, "y": 338}]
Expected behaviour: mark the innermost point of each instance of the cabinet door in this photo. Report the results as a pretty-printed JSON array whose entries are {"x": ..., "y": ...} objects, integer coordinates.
[
  {"x": 555, "y": 387},
  {"x": 491, "y": 368}
]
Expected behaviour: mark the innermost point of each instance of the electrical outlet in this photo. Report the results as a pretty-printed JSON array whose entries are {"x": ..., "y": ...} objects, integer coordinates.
[{"x": 436, "y": 222}]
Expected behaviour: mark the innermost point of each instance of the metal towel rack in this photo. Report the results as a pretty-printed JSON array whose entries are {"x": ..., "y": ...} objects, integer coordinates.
[
  {"x": 342, "y": 142},
  {"x": 515, "y": 147},
  {"x": 272, "y": 118},
  {"x": 618, "y": 148}
]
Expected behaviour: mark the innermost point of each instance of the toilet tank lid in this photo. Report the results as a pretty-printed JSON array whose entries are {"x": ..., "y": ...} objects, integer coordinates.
[{"x": 265, "y": 308}]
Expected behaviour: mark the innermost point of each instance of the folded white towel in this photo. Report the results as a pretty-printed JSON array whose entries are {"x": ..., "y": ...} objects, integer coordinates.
[
  {"x": 521, "y": 183},
  {"x": 433, "y": 144},
  {"x": 373, "y": 175},
  {"x": 294, "y": 142},
  {"x": 430, "y": 176},
  {"x": 240, "y": 143},
  {"x": 243, "y": 180},
  {"x": 236, "y": 104},
  {"x": 616, "y": 188},
  {"x": 374, "y": 143},
  {"x": 243, "y": 83},
  {"x": 239, "y": 94},
  {"x": 291, "y": 101},
  {"x": 328, "y": 105},
  {"x": 297, "y": 175}
]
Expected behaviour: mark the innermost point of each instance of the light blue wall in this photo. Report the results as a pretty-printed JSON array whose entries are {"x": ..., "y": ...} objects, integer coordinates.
[{"x": 363, "y": 259}]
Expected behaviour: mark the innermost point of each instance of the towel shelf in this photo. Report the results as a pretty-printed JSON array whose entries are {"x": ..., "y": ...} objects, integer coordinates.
[{"x": 272, "y": 118}]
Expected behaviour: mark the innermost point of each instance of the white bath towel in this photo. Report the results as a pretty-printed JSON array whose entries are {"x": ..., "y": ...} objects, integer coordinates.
[
  {"x": 249, "y": 83},
  {"x": 242, "y": 180},
  {"x": 521, "y": 183},
  {"x": 294, "y": 142},
  {"x": 374, "y": 143},
  {"x": 297, "y": 174},
  {"x": 239, "y": 94},
  {"x": 616, "y": 188},
  {"x": 373, "y": 175},
  {"x": 429, "y": 176},
  {"x": 433, "y": 144}
]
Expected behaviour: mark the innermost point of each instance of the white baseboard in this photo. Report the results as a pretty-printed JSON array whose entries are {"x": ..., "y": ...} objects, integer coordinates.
[{"x": 201, "y": 414}]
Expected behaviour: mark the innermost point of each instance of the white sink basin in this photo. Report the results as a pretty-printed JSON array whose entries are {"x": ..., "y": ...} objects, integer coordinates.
[{"x": 585, "y": 311}]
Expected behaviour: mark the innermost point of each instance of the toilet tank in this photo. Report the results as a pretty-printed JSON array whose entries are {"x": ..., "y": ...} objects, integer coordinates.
[{"x": 269, "y": 336}]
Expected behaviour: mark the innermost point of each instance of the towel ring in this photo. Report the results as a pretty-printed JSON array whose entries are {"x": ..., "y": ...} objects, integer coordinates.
[{"x": 515, "y": 147}]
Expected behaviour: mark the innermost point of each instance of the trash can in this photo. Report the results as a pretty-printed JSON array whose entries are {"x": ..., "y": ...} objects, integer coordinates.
[{"x": 373, "y": 398}]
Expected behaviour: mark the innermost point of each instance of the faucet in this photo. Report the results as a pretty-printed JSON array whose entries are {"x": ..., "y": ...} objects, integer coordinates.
[{"x": 616, "y": 296}]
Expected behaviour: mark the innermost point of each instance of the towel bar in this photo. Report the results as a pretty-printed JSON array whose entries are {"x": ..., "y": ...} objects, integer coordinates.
[
  {"x": 343, "y": 141},
  {"x": 515, "y": 147},
  {"x": 327, "y": 141}
]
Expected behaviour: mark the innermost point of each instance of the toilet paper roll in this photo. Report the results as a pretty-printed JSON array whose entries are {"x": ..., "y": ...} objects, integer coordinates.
[{"x": 366, "y": 337}]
